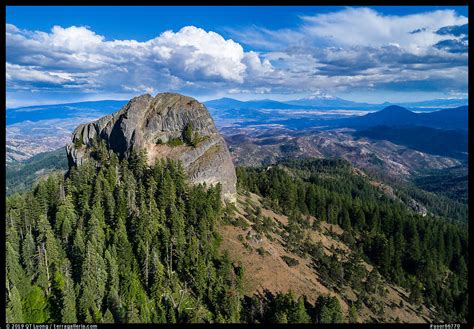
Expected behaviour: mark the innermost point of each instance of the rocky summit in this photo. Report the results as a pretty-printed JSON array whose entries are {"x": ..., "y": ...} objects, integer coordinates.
[{"x": 169, "y": 126}]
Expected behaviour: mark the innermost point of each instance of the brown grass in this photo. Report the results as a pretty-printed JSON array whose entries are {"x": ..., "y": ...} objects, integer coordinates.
[{"x": 270, "y": 272}]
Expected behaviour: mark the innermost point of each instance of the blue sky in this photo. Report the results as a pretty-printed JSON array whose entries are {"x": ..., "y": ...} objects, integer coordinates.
[{"x": 373, "y": 54}]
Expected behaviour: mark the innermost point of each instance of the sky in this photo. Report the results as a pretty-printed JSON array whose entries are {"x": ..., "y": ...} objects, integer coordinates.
[{"x": 369, "y": 54}]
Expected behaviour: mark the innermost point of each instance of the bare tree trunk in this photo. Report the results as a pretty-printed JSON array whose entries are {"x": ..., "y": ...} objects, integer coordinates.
[
  {"x": 146, "y": 265},
  {"x": 182, "y": 292},
  {"x": 62, "y": 193},
  {"x": 8, "y": 288},
  {"x": 47, "y": 267},
  {"x": 172, "y": 300},
  {"x": 171, "y": 259},
  {"x": 168, "y": 261}
]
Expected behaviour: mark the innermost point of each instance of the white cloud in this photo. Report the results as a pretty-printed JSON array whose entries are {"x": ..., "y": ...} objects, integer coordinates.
[
  {"x": 360, "y": 48},
  {"x": 173, "y": 59},
  {"x": 367, "y": 27},
  {"x": 77, "y": 39},
  {"x": 31, "y": 74},
  {"x": 193, "y": 52},
  {"x": 263, "y": 38},
  {"x": 351, "y": 49},
  {"x": 356, "y": 27},
  {"x": 255, "y": 66}
]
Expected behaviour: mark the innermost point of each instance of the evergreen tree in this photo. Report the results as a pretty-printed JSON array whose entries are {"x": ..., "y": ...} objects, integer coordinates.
[
  {"x": 14, "y": 308},
  {"x": 328, "y": 310},
  {"x": 65, "y": 219},
  {"x": 93, "y": 280},
  {"x": 36, "y": 306},
  {"x": 299, "y": 313},
  {"x": 118, "y": 241},
  {"x": 188, "y": 136},
  {"x": 28, "y": 254},
  {"x": 353, "y": 317}
]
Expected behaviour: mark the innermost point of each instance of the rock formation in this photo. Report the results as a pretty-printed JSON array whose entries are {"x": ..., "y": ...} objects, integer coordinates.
[{"x": 159, "y": 125}]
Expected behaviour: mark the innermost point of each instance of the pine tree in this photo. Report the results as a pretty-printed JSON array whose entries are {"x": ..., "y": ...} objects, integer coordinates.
[
  {"x": 415, "y": 293},
  {"x": 281, "y": 317},
  {"x": 346, "y": 220},
  {"x": 68, "y": 312},
  {"x": 56, "y": 299},
  {"x": 113, "y": 301},
  {"x": 14, "y": 308},
  {"x": 108, "y": 317},
  {"x": 28, "y": 254},
  {"x": 36, "y": 306},
  {"x": 48, "y": 253},
  {"x": 298, "y": 313},
  {"x": 93, "y": 281},
  {"x": 353, "y": 317},
  {"x": 95, "y": 228},
  {"x": 328, "y": 310},
  {"x": 178, "y": 237},
  {"x": 188, "y": 134}
]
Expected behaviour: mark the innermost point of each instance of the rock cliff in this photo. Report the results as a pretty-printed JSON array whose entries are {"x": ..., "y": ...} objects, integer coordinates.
[{"x": 166, "y": 126}]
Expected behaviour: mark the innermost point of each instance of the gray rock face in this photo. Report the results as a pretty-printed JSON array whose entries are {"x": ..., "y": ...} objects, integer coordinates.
[{"x": 149, "y": 123}]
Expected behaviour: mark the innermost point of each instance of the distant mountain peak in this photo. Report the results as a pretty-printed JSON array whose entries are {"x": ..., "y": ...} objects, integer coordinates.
[
  {"x": 227, "y": 99},
  {"x": 395, "y": 108},
  {"x": 393, "y": 112},
  {"x": 320, "y": 95},
  {"x": 394, "y": 115}
]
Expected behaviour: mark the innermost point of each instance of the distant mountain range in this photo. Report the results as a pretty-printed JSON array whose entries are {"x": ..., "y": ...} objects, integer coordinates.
[
  {"x": 454, "y": 118},
  {"x": 100, "y": 108},
  {"x": 329, "y": 102},
  {"x": 62, "y": 111},
  {"x": 230, "y": 103},
  {"x": 448, "y": 143},
  {"x": 35, "y": 129}
]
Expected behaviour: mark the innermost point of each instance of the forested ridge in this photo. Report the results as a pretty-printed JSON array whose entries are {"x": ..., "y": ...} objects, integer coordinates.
[
  {"x": 20, "y": 175},
  {"x": 427, "y": 255},
  {"x": 118, "y": 241}
]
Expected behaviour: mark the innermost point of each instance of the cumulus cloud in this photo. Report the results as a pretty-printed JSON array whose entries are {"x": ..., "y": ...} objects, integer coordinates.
[
  {"x": 361, "y": 48},
  {"x": 30, "y": 74},
  {"x": 365, "y": 26},
  {"x": 77, "y": 55},
  {"x": 192, "y": 53}
]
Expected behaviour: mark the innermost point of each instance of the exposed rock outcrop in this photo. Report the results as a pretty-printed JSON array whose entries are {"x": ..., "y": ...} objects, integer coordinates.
[{"x": 157, "y": 124}]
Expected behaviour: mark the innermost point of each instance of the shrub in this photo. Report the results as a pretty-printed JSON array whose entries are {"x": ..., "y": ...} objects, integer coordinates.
[
  {"x": 291, "y": 262},
  {"x": 240, "y": 222},
  {"x": 78, "y": 142},
  {"x": 198, "y": 138},
  {"x": 175, "y": 142},
  {"x": 247, "y": 247},
  {"x": 188, "y": 134}
]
